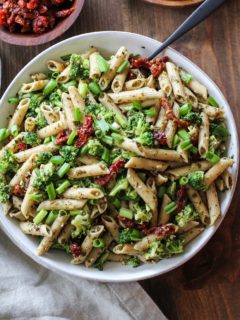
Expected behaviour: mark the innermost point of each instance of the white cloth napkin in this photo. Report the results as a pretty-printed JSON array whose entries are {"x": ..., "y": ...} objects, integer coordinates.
[{"x": 29, "y": 291}]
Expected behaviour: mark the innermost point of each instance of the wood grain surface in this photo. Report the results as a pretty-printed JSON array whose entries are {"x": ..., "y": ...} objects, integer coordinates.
[{"x": 208, "y": 286}]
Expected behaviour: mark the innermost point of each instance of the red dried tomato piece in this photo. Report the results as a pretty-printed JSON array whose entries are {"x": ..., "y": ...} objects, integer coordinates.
[
  {"x": 32, "y": 4},
  {"x": 64, "y": 13},
  {"x": 162, "y": 231},
  {"x": 160, "y": 137},
  {"x": 141, "y": 63},
  {"x": 75, "y": 249},
  {"x": 128, "y": 223},
  {"x": 181, "y": 198},
  {"x": 3, "y": 17},
  {"x": 57, "y": 2},
  {"x": 170, "y": 115},
  {"x": 40, "y": 24},
  {"x": 84, "y": 132},
  {"x": 114, "y": 169},
  {"x": 62, "y": 137},
  {"x": 19, "y": 190},
  {"x": 21, "y": 146}
]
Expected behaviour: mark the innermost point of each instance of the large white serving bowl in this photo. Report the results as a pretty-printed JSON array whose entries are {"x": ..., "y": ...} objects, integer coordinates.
[{"x": 108, "y": 42}]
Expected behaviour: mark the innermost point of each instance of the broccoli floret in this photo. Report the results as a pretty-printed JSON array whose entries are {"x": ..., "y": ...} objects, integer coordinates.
[
  {"x": 129, "y": 235},
  {"x": 84, "y": 183},
  {"x": 55, "y": 98},
  {"x": 81, "y": 222},
  {"x": 4, "y": 190},
  {"x": 64, "y": 246},
  {"x": 95, "y": 148},
  {"x": 164, "y": 248},
  {"x": 142, "y": 212},
  {"x": 145, "y": 138},
  {"x": 133, "y": 261},
  {"x": 130, "y": 194},
  {"x": 121, "y": 184},
  {"x": 99, "y": 111},
  {"x": 186, "y": 215},
  {"x": 219, "y": 131},
  {"x": 8, "y": 164},
  {"x": 213, "y": 143},
  {"x": 41, "y": 122},
  {"x": 196, "y": 180},
  {"x": 31, "y": 138},
  {"x": 75, "y": 64},
  {"x": 44, "y": 175},
  {"x": 69, "y": 153},
  {"x": 193, "y": 118},
  {"x": 43, "y": 158},
  {"x": 35, "y": 101}
]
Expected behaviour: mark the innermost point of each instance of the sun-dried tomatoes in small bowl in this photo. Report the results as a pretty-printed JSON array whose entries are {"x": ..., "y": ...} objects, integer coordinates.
[{"x": 34, "y": 22}]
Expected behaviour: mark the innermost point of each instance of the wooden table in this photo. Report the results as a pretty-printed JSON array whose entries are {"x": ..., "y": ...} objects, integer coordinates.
[{"x": 208, "y": 286}]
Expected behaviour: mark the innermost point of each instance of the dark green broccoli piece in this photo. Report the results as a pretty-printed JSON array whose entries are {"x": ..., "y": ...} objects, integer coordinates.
[
  {"x": 8, "y": 164},
  {"x": 129, "y": 235},
  {"x": 186, "y": 215},
  {"x": 145, "y": 138},
  {"x": 196, "y": 180},
  {"x": 69, "y": 153},
  {"x": 64, "y": 246},
  {"x": 101, "y": 261},
  {"x": 219, "y": 131},
  {"x": 43, "y": 158},
  {"x": 192, "y": 118},
  {"x": 133, "y": 261},
  {"x": 142, "y": 212},
  {"x": 35, "y": 101},
  {"x": 139, "y": 129},
  {"x": 121, "y": 184},
  {"x": 4, "y": 190},
  {"x": 55, "y": 98},
  {"x": 75, "y": 64},
  {"x": 31, "y": 138},
  {"x": 41, "y": 122},
  {"x": 95, "y": 148}
]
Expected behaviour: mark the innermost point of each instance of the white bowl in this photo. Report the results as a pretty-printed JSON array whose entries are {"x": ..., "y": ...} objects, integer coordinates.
[{"x": 108, "y": 42}]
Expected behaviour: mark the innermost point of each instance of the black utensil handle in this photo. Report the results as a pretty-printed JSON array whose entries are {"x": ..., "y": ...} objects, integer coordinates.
[{"x": 201, "y": 13}]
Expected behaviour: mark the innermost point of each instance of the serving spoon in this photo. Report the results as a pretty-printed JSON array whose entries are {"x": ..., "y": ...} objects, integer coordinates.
[{"x": 200, "y": 14}]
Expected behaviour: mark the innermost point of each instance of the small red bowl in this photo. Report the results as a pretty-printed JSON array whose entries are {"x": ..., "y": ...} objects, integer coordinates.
[{"x": 27, "y": 39}]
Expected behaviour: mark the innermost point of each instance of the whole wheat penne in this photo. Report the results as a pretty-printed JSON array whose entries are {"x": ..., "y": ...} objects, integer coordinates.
[
  {"x": 146, "y": 164},
  {"x": 90, "y": 170},
  {"x": 62, "y": 204},
  {"x": 198, "y": 204},
  {"x": 42, "y": 230},
  {"x": 24, "y": 155},
  {"x": 213, "y": 173},
  {"x": 213, "y": 204},
  {"x": 83, "y": 193}
]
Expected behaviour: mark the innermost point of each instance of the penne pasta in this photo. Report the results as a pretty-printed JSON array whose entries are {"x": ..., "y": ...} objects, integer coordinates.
[
  {"x": 19, "y": 113},
  {"x": 62, "y": 204},
  {"x": 146, "y": 164},
  {"x": 198, "y": 204},
  {"x": 42, "y": 230},
  {"x": 91, "y": 170},
  {"x": 213, "y": 173},
  {"x": 24, "y": 155},
  {"x": 176, "y": 82},
  {"x": 139, "y": 94},
  {"x": 213, "y": 204},
  {"x": 83, "y": 193}
]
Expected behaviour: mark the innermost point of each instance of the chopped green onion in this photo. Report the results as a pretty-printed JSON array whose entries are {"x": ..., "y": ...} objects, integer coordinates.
[
  {"x": 51, "y": 217},
  {"x": 40, "y": 216},
  {"x": 72, "y": 137},
  {"x": 57, "y": 160},
  {"x": 77, "y": 115},
  {"x": 106, "y": 155},
  {"x": 98, "y": 243},
  {"x": 152, "y": 112},
  {"x": 183, "y": 181},
  {"x": 108, "y": 140},
  {"x": 83, "y": 89},
  {"x": 47, "y": 140},
  {"x": 75, "y": 212},
  {"x": 171, "y": 207},
  {"x": 102, "y": 64},
  {"x": 13, "y": 100},
  {"x": 161, "y": 191},
  {"x": 35, "y": 197},
  {"x": 53, "y": 139},
  {"x": 14, "y": 130},
  {"x": 84, "y": 150},
  {"x": 51, "y": 191},
  {"x": 183, "y": 134},
  {"x": 116, "y": 202},
  {"x": 185, "y": 145},
  {"x": 213, "y": 102},
  {"x": 71, "y": 83},
  {"x": 219, "y": 131},
  {"x": 50, "y": 86},
  {"x": 63, "y": 169},
  {"x": 117, "y": 137},
  {"x": 102, "y": 125},
  {"x": 86, "y": 64},
  {"x": 212, "y": 157},
  {"x": 122, "y": 67},
  {"x": 63, "y": 186},
  {"x": 137, "y": 105},
  {"x": 186, "y": 108},
  {"x": 175, "y": 141},
  {"x": 94, "y": 88},
  {"x": 54, "y": 75},
  {"x": 123, "y": 212},
  {"x": 186, "y": 77},
  {"x": 171, "y": 190},
  {"x": 4, "y": 133},
  {"x": 120, "y": 120}
]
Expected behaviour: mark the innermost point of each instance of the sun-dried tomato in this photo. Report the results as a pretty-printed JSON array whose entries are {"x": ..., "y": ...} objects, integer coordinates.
[
  {"x": 127, "y": 223},
  {"x": 62, "y": 137},
  {"x": 114, "y": 169},
  {"x": 19, "y": 190},
  {"x": 155, "y": 66},
  {"x": 160, "y": 137},
  {"x": 40, "y": 24},
  {"x": 141, "y": 63},
  {"x": 64, "y": 13},
  {"x": 162, "y": 231},
  {"x": 21, "y": 146},
  {"x": 75, "y": 249},
  {"x": 181, "y": 198},
  {"x": 84, "y": 132},
  {"x": 32, "y": 4},
  {"x": 170, "y": 115}
]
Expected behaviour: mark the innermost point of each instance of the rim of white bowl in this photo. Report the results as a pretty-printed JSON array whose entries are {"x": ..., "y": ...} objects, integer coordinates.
[{"x": 103, "y": 276}]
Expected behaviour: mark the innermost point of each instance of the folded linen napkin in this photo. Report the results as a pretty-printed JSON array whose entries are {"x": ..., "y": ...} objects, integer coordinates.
[{"x": 29, "y": 291}]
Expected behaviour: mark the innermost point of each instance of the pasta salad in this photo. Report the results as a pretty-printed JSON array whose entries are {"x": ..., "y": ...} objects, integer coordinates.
[{"x": 114, "y": 159}]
